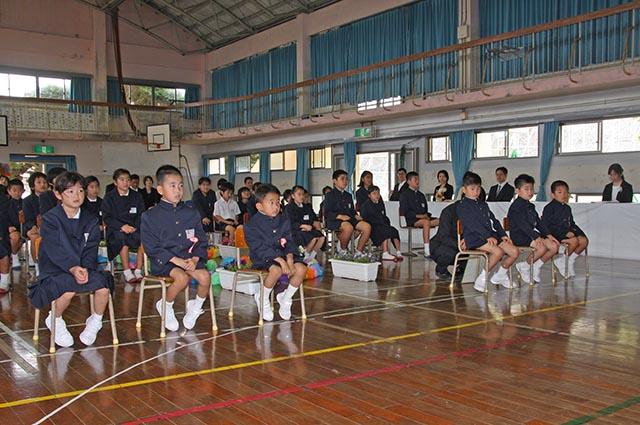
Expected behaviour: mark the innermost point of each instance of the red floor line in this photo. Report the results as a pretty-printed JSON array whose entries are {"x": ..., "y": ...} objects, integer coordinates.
[{"x": 337, "y": 380}]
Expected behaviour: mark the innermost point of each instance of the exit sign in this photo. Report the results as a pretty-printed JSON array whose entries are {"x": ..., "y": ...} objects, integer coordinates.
[
  {"x": 43, "y": 149},
  {"x": 364, "y": 132}
]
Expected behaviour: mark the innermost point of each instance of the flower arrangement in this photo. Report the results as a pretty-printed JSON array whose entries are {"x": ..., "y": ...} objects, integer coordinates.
[
  {"x": 231, "y": 265},
  {"x": 365, "y": 257}
]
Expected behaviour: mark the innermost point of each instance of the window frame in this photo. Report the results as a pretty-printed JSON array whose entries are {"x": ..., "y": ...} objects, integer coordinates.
[
  {"x": 221, "y": 161},
  {"x": 429, "y": 149},
  {"x": 53, "y": 76},
  {"x": 326, "y": 154},
  {"x": 506, "y": 154},
  {"x": 600, "y": 149}
]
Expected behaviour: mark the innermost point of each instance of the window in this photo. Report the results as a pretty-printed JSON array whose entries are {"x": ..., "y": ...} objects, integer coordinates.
[
  {"x": 383, "y": 167},
  {"x": 610, "y": 135},
  {"x": 153, "y": 95},
  {"x": 373, "y": 104},
  {"x": 217, "y": 167},
  {"x": 17, "y": 85},
  {"x": 320, "y": 157},
  {"x": 283, "y": 160},
  {"x": 621, "y": 135},
  {"x": 290, "y": 160},
  {"x": 248, "y": 163},
  {"x": 579, "y": 138},
  {"x": 438, "y": 149},
  {"x": 521, "y": 142}
]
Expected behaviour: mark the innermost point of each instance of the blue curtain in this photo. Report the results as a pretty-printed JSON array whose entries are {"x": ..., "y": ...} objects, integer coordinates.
[
  {"x": 601, "y": 40},
  {"x": 273, "y": 69},
  {"x": 418, "y": 27},
  {"x": 81, "y": 90},
  {"x": 231, "y": 166},
  {"x": 70, "y": 163},
  {"x": 192, "y": 94},
  {"x": 114, "y": 96},
  {"x": 549, "y": 143},
  {"x": 302, "y": 167},
  {"x": 350, "y": 163},
  {"x": 265, "y": 167},
  {"x": 461, "y": 154}
]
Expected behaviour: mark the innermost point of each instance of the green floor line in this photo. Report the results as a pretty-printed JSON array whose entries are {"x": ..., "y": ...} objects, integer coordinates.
[{"x": 604, "y": 412}]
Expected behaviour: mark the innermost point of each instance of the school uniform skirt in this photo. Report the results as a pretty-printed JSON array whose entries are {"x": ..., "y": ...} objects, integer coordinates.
[
  {"x": 53, "y": 287},
  {"x": 305, "y": 238},
  {"x": 117, "y": 240},
  {"x": 382, "y": 232}
]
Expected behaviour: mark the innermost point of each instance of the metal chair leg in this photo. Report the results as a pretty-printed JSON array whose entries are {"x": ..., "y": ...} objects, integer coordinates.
[
  {"x": 112, "y": 318},
  {"x": 52, "y": 345},
  {"x": 214, "y": 323}
]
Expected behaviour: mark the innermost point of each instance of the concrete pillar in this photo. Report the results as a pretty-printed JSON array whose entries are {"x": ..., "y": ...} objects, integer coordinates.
[
  {"x": 303, "y": 64},
  {"x": 99, "y": 89},
  {"x": 468, "y": 30}
]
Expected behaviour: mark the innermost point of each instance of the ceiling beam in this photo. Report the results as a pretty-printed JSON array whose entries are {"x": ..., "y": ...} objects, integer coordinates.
[
  {"x": 263, "y": 8},
  {"x": 235, "y": 17},
  {"x": 112, "y": 4},
  {"x": 190, "y": 16}
]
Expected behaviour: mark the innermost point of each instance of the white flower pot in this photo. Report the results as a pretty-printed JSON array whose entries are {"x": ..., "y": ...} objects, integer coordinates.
[
  {"x": 247, "y": 284},
  {"x": 359, "y": 271}
]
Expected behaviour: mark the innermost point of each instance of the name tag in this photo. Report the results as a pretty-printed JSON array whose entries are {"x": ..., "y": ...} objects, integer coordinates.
[
  {"x": 133, "y": 210},
  {"x": 305, "y": 217},
  {"x": 190, "y": 233},
  {"x": 348, "y": 205},
  {"x": 86, "y": 237}
]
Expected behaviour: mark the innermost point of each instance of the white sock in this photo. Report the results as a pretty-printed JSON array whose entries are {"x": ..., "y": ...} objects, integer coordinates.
[
  {"x": 290, "y": 291},
  {"x": 197, "y": 302},
  {"x": 97, "y": 316},
  {"x": 426, "y": 249},
  {"x": 572, "y": 258},
  {"x": 538, "y": 264},
  {"x": 501, "y": 272},
  {"x": 15, "y": 260},
  {"x": 4, "y": 279},
  {"x": 313, "y": 254},
  {"x": 37, "y": 270}
]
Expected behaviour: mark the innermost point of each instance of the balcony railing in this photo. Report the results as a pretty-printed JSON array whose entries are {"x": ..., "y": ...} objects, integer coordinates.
[{"x": 605, "y": 39}]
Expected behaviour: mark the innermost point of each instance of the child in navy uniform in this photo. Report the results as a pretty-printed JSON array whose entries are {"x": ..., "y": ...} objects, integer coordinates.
[
  {"x": 176, "y": 244},
  {"x": 414, "y": 207},
  {"x": 48, "y": 199},
  {"x": 244, "y": 195},
  {"x": 5, "y": 244},
  {"x": 305, "y": 226},
  {"x": 444, "y": 244},
  {"x": 93, "y": 202},
  {"x": 526, "y": 229},
  {"x": 121, "y": 210},
  {"x": 559, "y": 219},
  {"x": 31, "y": 207},
  {"x": 340, "y": 214},
  {"x": 271, "y": 247},
  {"x": 69, "y": 260},
  {"x": 374, "y": 212},
  {"x": 203, "y": 201},
  {"x": 483, "y": 232},
  {"x": 15, "y": 189}
]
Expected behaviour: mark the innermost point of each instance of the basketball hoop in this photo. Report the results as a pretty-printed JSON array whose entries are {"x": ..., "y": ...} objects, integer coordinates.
[{"x": 157, "y": 146}]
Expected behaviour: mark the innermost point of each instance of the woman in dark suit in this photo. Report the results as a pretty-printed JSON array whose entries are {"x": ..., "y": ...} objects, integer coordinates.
[
  {"x": 618, "y": 190},
  {"x": 443, "y": 191}
]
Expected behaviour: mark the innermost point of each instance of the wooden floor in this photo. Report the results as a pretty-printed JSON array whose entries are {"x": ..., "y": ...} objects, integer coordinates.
[{"x": 402, "y": 350}]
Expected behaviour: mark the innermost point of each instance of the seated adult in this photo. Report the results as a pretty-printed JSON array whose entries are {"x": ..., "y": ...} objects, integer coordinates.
[
  {"x": 443, "y": 191},
  {"x": 444, "y": 245},
  {"x": 400, "y": 186},
  {"x": 618, "y": 190},
  {"x": 503, "y": 191}
]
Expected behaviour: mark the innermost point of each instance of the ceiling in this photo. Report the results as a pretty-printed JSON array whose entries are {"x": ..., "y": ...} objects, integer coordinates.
[{"x": 200, "y": 26}]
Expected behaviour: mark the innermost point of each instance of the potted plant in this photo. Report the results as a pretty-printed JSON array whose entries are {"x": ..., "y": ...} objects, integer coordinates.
[
  {"x": 359, "y": 267},
  {"x": 247, "y": 284}
]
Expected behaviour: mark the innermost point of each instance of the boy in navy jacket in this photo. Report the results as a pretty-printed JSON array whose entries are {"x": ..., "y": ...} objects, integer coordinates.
[
  {"x": 558, "y": 218},
  {"x": 176, "y": 244},
  {"x": 203, "y": 201},
  {"x": 526, "y": 229},
  {"x": 69, "y": 260},
  {"x": 121, "y": 209},
  {"x": 444, "y": 245},
  {"x": 271, "y": 247},
  {"x": 48, "y": 200},
  {"x": 5, "y": 244},
  {"x": 414, "y": 208},
  {"x": 305, "y": 226},
  {"x": 15, "y": 189},
  {"x": 483, "y": 232},
  {"x": 340, "y": 214},
  {"x": 31, "y": 207}
]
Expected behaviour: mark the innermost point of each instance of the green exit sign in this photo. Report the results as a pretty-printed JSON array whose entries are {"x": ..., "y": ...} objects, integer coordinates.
[
  {"x": 43, "y": 149},
  {"x": 364, "y": 132}
]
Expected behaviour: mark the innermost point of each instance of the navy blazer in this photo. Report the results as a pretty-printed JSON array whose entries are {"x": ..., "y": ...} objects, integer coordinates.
[
  {"x": 395, "y": 194},
  {"x": 47, "y": 201},
  {"x": 67, "y": 242},
  {"x": 94, "y": 207},
  {"x": 625, "y": 194},
  {"x": 505, "y": 195},
  {"x": 447, "y": 234},
  {"x": 4, "y": 219},
  {"x": 374, "y": 213},
  {"x": 413, "y": 202},
  {"x": 479, "y": 223},
  {"x": 204, "y": 204},
  {"x": 299, "y": 215},
  {"x": 15, "y": 206},
  {"x": 558, "y": 219},
  {"x": 269, "y": 238},
  {"x": 338, "y": 202},
  {"x": 31, "y": 208},
  {"x": 524, "y": 223},
  {"x": 165, "y": 231},
  {"x": 120, "y": 210},
  {"x": 362, "y": 194}
]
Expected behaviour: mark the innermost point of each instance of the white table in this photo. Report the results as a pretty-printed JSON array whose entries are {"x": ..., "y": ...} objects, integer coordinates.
[{"x": 612, "y": 228}]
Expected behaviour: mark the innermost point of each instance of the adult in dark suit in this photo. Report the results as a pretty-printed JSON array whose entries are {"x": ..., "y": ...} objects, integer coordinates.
[
  {"x": 618, "y": 190},
  {"x": 503, "y": 191},
  {"x": 400, "y": 186}
]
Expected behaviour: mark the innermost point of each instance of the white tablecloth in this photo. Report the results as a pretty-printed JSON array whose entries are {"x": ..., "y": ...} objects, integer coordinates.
[{"x": 612, "y": 228}]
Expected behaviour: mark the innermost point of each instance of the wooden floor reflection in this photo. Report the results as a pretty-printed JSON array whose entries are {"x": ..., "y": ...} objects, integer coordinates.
[{"x": 403, "y": 349}]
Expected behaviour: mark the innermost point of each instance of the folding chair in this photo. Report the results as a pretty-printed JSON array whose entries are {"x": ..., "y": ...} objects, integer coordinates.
[
  {"x": 52, "y": 344},
  {"x": 523, "y": 249},
  {"x": 155, "y": 282},
  {"x": 261, "y": 274},
  {"x": 409, "y": 229},
  {"x": 566, "y": 263},
  {"x": 468, "y": 254}
]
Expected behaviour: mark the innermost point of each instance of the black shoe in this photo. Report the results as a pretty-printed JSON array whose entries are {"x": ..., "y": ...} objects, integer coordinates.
[{"x": 443, "y": 274}]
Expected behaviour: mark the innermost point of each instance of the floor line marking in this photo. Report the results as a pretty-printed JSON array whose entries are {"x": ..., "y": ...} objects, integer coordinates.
[
  {"x": 293, "y": 356},
  {"x": 603, "y": 412},
  {"x": 326, "y": 383}
]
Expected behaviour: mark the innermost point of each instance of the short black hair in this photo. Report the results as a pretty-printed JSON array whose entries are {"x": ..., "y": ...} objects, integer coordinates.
[
  {"x": 523, "y": 179},
  {"x": 134, "y": 177},
  {"x": 373, "y": 188},
  {"x": 166, "y": 170},
  {"x": 294, "y": 188},
  {"x": 15, "y": 182},
  {"x": 503, "y": 169},
  {"x": 226, "y": 186},
  {"x": 204, "y": 180},
  {"x": 401, "y": 169},
  {"x": 119, "y": 172},
  {"x": 242, "y": 190},
  {"x": 616, "y": 168},
  {"x": 247, "y": 178},
  {"x": 339, "y": 172},
  {"x": 445, "y": 172},
  {"x": 91, "y": 179},
  {"x": 255, "y": 186},
  {"x": 412, "y": 174},
  {"x": 34, "y": 176},
  {"x": 264, "y": 190},
  {"x": 67, "y": 179},
  {"x": 471, "y": 178},
  {"x": 53, "y": 173},
  {"x": 220, "y": 181},
  {"x": 326, "y": 189},
  {"x": 559, "y": 183},
  {"x": 144, "y": 180},
  {"x": 288, "y": 192}
]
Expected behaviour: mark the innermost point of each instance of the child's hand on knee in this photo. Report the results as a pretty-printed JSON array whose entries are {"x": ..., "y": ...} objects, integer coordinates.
[
  {"x": 506, "y": 239},
  {"x": 492, "y": 241},
  {"x": 80, "y": 274}
]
